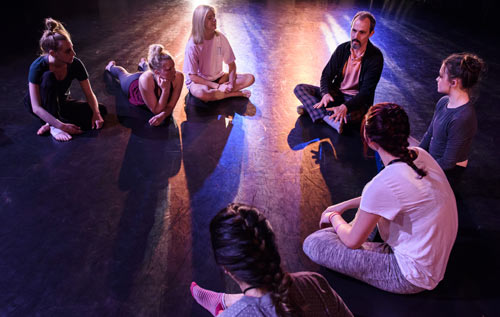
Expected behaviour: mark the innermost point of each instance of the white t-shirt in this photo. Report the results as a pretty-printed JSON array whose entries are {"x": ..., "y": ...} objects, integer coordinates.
[
  {"x": 205, "y": 59},
  {"x": 419, "y": 217}
]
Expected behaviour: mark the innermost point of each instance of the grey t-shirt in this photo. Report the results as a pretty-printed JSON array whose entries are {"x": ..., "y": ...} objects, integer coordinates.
[
  {"x": 449, "y": 136},
  {"x": 309, "y": 290}
]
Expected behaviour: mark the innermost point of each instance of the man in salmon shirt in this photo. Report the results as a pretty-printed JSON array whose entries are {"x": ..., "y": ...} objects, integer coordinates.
[{"x": 348, "y": 81}]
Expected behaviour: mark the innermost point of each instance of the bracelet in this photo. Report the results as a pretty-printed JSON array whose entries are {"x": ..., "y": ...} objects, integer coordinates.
[
  {"x": 333, "y": 214},
  {"x": 337, "y": 227}
]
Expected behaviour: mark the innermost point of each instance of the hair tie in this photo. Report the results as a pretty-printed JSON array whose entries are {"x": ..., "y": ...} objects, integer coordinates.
[{"x": 248, "y": 288}]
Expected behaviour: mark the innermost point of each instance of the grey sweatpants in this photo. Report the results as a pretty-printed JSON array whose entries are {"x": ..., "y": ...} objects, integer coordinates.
[{"x": 373, "y": 263}]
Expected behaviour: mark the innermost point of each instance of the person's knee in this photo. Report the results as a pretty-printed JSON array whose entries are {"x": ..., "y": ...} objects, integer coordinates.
[
  {"x": 298, "y": 89},
  {"x": 202, "y": 93},
  {"x": 48, "y": 79},
  {"x": 309, "y": 245},
  {"x": 250, "y": 79}
]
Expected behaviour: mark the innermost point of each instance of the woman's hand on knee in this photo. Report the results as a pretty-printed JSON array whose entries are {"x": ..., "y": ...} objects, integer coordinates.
[
  {"x": 338, "y": 208},
  {"x": 324, "y": 221},
  {"x": 225, "y": 88},
  {"x": 97, "y": 121}
]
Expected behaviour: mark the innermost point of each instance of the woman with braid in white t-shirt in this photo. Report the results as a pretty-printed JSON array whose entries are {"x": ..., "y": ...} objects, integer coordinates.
[{"x": 411, "y": 203}]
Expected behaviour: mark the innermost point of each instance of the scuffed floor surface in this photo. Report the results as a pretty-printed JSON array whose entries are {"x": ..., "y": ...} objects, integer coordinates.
[{"x": 115, "y": 222}]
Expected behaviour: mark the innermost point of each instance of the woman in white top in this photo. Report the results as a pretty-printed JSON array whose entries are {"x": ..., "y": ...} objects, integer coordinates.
[
  {"x": 206, "y": 50},
  {"x": 411, "y": 203}
]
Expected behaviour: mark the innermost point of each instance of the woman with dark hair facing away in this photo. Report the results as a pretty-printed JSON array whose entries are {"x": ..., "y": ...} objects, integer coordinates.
[
  {"x": 50, "y": 77},
  {"x": 206, "y": 50},
  {"x": 157, "y": 84},
  {"x": 411, "y": 203},
  {"x": 449, "y": 136},
  {"x": 244, "y": 246}
]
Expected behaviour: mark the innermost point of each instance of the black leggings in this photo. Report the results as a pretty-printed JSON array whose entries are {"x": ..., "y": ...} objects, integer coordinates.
[
  {"x": 124, "y": 77},
  {"x": 454, "y": 176},
  {"x": 62, "y": 108}
]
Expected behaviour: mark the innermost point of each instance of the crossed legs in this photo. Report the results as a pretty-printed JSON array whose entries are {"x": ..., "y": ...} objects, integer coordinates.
[
  {"x": 373, "y": 263},
  {"x": 206, "y": 93}
]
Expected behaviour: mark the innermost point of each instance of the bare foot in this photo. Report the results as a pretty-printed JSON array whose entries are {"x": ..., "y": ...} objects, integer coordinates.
[
  {"x": 43, "y": 129},
  {"x": 246, "y": 93},
  {"x": 60, "y": 135},
  {"x": 108, "y": 67}
]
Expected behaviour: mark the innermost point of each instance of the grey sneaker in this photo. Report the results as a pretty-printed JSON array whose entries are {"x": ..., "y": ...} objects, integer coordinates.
[
  {"x": 338, "y": 126},
  {"x": 300, "y": 110}
]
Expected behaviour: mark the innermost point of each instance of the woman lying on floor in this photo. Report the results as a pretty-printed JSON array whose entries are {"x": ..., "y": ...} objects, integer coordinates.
[
  {"x": 244, "y": 246},
  {"x": 206, "y": 50},
  {"x": 157, "y": 84},
  {"x": 50, "y": 77},
  {"x": 411, "y": 203}
]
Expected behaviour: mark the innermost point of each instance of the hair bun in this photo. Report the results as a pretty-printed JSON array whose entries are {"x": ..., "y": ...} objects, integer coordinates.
[
  {"x": 473, "y": 63},
  {"x": 51, "y": 24},
  {"x": 155, "y": 49}
]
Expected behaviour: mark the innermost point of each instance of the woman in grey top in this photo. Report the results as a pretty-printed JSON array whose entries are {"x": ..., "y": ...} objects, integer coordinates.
[
  {"x": 449, "y": 136},
  {"x": 244, "y": 245}
]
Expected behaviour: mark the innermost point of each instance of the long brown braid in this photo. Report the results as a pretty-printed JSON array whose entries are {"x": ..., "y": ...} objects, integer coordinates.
[
  {"x": 244, "y": 244},
  {"x": 387, "y": 125}
]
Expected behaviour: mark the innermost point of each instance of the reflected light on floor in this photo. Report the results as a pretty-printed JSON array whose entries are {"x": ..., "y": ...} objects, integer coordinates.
[
  {"x": 195, "y": 3},
  {"x": 329, "y": 38},
  {"x": 334, "y": 34},
  {"x": 340, "y": 34}
]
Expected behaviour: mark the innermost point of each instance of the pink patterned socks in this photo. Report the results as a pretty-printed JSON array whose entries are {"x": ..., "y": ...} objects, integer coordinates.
[{"x": 211, "y": 301}]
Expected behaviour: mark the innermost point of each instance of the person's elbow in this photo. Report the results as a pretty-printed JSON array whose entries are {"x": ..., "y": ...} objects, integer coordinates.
[
  {"x": 352, "y": 244},
  {"x": 36, "y": 109},
  {"x": 446, "y": 165},
  {"x": 156, "y": 110}
]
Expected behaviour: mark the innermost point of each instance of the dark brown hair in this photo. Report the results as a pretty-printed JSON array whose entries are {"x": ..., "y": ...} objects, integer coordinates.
[
  {"x": 387, "y": 125},
  {"x": 54, "y": 32},
  {"x": 244, "y": 244},
  {"x": 467, "y": 67}
]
